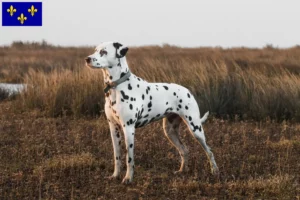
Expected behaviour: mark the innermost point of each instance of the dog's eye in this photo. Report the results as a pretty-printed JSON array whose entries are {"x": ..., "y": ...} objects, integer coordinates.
[{"x": 102, "y": 52}]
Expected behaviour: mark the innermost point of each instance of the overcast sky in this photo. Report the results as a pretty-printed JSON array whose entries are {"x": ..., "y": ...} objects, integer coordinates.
[{"x": 188, "y": 23}]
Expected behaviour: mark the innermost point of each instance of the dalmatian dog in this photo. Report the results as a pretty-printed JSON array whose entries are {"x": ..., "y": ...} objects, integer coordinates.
[{"x": 132, "y": 102}]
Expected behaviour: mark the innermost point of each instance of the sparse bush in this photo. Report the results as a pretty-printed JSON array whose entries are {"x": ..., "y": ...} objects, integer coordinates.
[{"x": 64, "y": 92}]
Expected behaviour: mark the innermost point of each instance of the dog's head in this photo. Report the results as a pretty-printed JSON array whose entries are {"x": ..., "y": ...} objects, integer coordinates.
[{"x": 106, "y": 54}]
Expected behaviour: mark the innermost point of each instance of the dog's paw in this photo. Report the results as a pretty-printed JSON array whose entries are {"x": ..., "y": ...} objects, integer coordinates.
[
  {"x": 178, "y": 172},
  {"x": 126, "y": 180},
  {"x": 112, "y": 177},
  {"x": 182, "y": 170},
  {"x": 215, "y": 171}
]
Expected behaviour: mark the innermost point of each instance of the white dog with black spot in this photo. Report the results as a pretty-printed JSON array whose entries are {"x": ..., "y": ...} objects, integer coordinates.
[{"x": 132, "y": 102}]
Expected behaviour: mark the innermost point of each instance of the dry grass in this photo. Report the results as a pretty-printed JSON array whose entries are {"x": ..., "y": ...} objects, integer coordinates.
[
  {"x": 55, "y": 144},
  {"x": 63, "y": 158},
  {"x": 244, "y": 83}
]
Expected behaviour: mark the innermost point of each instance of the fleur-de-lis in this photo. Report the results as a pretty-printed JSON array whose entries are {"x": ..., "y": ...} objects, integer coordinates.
[
  {"x": 11, "y": 10},
  {"x": 22, "y": 18},
  {"x": 32, "y": 10}
]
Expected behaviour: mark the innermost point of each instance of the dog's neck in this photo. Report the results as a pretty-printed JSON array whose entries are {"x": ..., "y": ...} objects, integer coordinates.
[{"x": 115, "y": 72}]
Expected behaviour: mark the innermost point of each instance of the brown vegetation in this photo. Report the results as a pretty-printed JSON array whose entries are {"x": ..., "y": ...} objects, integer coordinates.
[
  {"x": 248, "y": 83},
  {"x": 63, "y": 158},
  {"x": 55, "y": 143}
]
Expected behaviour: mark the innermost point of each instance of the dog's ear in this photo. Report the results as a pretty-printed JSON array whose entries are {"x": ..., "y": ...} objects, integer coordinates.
[
  {"x": 123, "y": 51},
  {"x": 117, "y": 45},
  {"x": 120, "y": 50}
]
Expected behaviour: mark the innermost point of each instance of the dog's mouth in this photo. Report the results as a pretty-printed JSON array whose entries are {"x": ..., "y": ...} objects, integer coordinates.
[{"x": 91, "y": 66}]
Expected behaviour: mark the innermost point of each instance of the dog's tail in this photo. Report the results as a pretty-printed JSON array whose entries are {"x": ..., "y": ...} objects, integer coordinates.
[{"x": 203, "y": 119}]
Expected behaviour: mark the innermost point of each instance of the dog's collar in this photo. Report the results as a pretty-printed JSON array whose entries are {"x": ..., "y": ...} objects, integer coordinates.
[{"x": 114, "y": 84}]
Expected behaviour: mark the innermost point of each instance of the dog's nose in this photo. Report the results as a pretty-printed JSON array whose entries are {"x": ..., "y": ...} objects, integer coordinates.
[{"x": 88, "y": 60}]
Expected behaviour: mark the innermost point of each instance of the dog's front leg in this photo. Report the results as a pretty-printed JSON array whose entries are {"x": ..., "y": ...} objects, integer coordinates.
[
  {"x": 129, "y": 141},
  {"x": 115, "y": 132}
]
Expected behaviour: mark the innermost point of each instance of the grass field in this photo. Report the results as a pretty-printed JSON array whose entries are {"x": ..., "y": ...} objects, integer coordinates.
[{"x": 55, "y": 142}]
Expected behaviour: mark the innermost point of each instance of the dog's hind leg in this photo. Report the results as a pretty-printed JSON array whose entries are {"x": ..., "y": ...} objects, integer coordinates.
[
  {"x": 171, "y": 128},
  {"x": 195, "y": 125}
]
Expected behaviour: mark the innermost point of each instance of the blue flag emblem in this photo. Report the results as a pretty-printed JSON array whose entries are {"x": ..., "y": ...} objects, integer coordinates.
[{"x": 22, "y": 13}]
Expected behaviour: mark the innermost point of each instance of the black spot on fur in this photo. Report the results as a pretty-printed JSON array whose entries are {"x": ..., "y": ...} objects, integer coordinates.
[
  {"x": 158, "y": 115},
  {"x": 186, "y": 107},
  {"x": 196, "y": 127},
  {"x": 138, "y": 85},
  {"x": 138, "y": 79},
  {"x": 130, "y": 122},
  {"x": 130, "y": 106},
  {"x": 166, "y": 87},
  {"x": 149, "y": 104},
  {"x": 149, "y": 110},
  {"x": 167, "y": 103},
  {"x": 129, "y": 87},
  {"x": 131, "y": 145},
  {"x": 122, "y": 74},
  {"x": 110, "y": 77},
  {"x": 188, "y": 94},
  {"x": 143, "y": 96},
  {"x": 168, "y": 109},
  {"x": 174, "y": 93},
  {"x": 179, "y": 106},
  {"x": 144, "y": 122},
  {"x": 124, "y": 95},
  {"x": 137, "y": 124},
  {"x": 180, "y": 101},
  {"x": 129, "y": 160},
  {"x": 140, "y": 113},
  {"x": 190, "y": 118},
  {"x": 118, "y": 135},
  {"x": 150, "y": 97},
  {"x": 146, "y": 116},
  {"x": 152, "y": 119}
]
